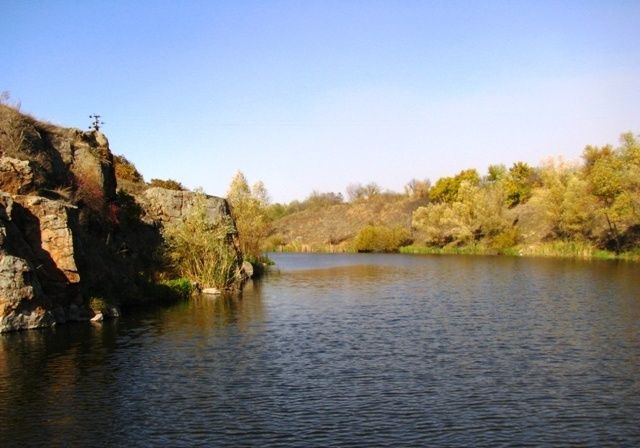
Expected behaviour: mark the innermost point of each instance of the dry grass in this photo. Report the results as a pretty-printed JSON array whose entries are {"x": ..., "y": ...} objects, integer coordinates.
[
  {"x": 555, "y": 249},
  {"x": 125, "y": 170},
  {"x": 333, "y": 228},
  {"x": 201, "y": 250},
  {"x": 169, "y": 184},
  {"x": 60, "y": 193},
  {"x": 14, "y": 130}
]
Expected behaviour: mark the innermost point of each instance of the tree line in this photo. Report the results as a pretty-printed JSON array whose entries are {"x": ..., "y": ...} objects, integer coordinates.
[{"x": 593, "y": 203}]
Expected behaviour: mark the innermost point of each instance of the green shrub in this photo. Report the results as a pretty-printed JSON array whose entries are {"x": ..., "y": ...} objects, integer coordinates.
[
  {"x": 472, "y": 249},
  {"x": 505, "y": 240},
  {"x": 381, "y": 239},
  {"x": 565, "y": 249},
  {"x": 446, "y": 188},
  {"x": 181, "y": 287}
]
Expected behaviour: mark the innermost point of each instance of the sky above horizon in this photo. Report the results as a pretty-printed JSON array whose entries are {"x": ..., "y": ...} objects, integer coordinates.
[{"x": 316, "y": 95}]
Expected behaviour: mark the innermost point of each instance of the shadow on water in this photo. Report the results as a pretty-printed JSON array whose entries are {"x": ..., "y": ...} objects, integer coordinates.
[{"x": 65, "y": 384}]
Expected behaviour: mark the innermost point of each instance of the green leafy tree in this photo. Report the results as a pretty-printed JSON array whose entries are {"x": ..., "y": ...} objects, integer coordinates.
[
  {"x": 563, "y": 204},
  {"x": 477, "y": 212},
  {"x": 613, "y": 176},
  {"x": 519, "y": 183},
  {"x": 496, "y": 173},
  {"x": 446, "y": 188}
]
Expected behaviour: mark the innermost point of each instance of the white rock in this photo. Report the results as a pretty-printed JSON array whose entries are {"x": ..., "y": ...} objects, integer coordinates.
[
  {"x": 211, "y": 291},
  {"x": 247, "y": 268}
]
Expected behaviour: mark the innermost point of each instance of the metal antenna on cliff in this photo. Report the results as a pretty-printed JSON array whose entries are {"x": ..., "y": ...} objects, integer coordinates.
[{"x": 95, "y": 125}]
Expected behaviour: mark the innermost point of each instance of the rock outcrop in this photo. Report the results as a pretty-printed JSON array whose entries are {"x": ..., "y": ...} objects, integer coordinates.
[
  {"x": 166, "y": 207},
  {"x": 169, "y": 206},
  {"x": 66, "y": 235},
  {"x": 23, "y": 303},
  {"x": 16, "y": 176}
]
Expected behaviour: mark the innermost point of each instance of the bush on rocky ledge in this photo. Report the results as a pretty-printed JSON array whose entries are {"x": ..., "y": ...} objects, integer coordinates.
[{"x": 199, "y": 249}]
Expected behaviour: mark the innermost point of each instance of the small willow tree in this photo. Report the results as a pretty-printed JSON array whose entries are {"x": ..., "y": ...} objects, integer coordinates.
[
  {"x": 200, "y": 248},
  {"x": 249, "y": 207}
]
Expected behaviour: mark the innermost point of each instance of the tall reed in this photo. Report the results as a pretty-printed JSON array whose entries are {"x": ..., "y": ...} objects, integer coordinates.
[{"x": 201, "y": 249}]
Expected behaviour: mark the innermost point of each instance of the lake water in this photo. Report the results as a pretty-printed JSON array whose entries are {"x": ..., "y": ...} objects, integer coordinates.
[{"x": 347, "y": 350}]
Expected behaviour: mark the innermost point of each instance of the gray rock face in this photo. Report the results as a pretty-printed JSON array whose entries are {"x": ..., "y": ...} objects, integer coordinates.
[
  {"x": 168, "y": 206},
  {"x": 92, "y": 167},
  {"x": 113, "y": 311},
  {"x": 39, "y": 271},
  {"x": 22, "y": 301}
]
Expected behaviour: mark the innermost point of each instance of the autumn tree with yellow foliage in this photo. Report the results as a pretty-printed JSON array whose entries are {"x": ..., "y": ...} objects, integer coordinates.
[{"x": 249, "y": 208}]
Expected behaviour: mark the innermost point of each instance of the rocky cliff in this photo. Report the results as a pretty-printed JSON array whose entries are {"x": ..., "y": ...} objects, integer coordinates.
[{"x": 67, "y": 234}]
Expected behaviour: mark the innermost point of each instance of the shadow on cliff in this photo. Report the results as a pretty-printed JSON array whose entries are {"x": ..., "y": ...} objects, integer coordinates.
[
  {"x": 55, "y": 282},
  {"x": 119, "y": 254}
]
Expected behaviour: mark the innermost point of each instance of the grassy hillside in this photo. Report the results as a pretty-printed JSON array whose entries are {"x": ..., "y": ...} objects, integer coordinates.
[{"x": 334, "y": 227}]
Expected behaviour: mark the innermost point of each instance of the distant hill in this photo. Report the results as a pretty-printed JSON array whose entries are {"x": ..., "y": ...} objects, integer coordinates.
[
  {"x": 585, "y": 209},
  {"x": 334, "y": 227}
]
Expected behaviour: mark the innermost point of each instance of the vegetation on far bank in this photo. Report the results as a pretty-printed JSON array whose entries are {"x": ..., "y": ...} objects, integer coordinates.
[
  {"x": 554, "y": 249},
  {"x": 587, "y": 209}
]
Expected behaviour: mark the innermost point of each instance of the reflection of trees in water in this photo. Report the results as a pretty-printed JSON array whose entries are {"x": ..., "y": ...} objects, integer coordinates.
[
  {"x": 240, "y": 309},
  {"x": 76, "y": 374},
  {"x": 206, "y": 314},
  {"x": 343, "y": 277},
  {"x": 55, "y": 350},
  {"x": 43, "y": 370}
]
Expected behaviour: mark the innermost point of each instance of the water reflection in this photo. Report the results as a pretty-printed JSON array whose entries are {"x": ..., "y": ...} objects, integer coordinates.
[
  {"x": 347, "y": 350},
  {"x": 69, "y": 375}
]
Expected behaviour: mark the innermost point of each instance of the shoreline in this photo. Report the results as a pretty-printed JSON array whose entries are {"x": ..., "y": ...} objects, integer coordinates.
[{"x": 566, "y": 250}]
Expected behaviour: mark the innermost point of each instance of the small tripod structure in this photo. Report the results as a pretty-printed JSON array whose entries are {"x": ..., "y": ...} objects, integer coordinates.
[{"x": 95, "y": 125}]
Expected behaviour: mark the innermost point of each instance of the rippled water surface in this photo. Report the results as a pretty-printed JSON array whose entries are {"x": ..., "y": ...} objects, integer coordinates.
[{"x": 347, "y": 350}]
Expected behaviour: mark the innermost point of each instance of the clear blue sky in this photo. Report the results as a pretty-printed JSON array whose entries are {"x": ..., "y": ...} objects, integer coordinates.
[{"x": 310, "y": 95}]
